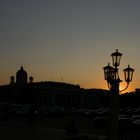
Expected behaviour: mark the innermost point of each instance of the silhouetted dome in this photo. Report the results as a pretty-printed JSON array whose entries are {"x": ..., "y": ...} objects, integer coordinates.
[
  {"x": 31, "y": 79},
  {"x": 12, "y": 80},
  {"x": 21, "y": 76},
  {"x": 21, "y": 71}
]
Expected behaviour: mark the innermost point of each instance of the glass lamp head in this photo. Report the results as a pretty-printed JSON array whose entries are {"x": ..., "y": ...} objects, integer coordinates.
[
  {"x": 116, "y": 57},
  {"x": 109, "y": 72},
  {"x": 128, "y": 74}
]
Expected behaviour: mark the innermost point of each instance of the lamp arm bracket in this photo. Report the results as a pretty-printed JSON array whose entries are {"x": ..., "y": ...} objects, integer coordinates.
[
  {"x": 109, "y": 85},
  {"x": 125, "y": 87}
]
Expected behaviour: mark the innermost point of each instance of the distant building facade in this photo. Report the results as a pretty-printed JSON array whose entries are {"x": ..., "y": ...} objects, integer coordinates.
[{"x": 51, "y": 93}]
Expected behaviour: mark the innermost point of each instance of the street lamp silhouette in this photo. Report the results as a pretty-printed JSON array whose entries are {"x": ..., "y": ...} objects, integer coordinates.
[{"x": 113, "y": 80}]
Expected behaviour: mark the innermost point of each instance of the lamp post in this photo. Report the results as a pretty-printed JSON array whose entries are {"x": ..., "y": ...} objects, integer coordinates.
[{"x": 112, "y": 77}]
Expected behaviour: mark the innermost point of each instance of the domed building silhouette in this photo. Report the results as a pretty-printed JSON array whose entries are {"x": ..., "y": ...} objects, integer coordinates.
[
  {"x": 21, "y": 77},
  {"x": 24, "y": 90}
]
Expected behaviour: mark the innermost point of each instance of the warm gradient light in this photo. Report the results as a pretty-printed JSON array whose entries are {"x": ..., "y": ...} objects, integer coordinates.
[
  {"x": 122, "y": 87},
  {"x": 130, "y": 88},
  {"x": 72, "y": 38}
]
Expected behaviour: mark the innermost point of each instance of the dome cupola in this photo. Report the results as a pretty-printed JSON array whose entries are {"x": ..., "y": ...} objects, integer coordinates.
[{"x": 21, "y": 77}]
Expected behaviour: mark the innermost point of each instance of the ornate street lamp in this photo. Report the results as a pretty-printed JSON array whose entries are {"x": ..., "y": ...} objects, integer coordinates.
[{"x": 111, "y": 75}]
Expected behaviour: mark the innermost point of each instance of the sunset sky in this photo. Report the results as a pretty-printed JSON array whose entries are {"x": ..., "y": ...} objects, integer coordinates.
[{"x": 72, "y": 39}]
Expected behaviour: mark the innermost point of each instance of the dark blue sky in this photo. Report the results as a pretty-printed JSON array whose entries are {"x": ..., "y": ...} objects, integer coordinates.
[{"x": 69, "y": 38}]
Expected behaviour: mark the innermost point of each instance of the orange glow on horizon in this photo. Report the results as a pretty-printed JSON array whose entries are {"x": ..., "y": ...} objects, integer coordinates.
[{"x": 123, "y": 86}]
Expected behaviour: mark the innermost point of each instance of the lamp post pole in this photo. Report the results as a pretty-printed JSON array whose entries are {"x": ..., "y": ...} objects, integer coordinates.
[
  {"x": 113, "y": 81},
  {"x": 114, "y": 111}
]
